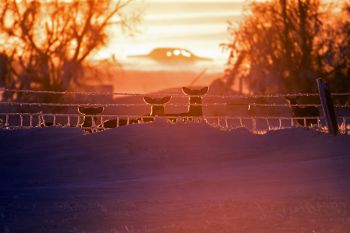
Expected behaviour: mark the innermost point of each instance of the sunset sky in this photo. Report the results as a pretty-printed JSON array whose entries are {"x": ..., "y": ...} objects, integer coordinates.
[{"x": 198, "y": 25}]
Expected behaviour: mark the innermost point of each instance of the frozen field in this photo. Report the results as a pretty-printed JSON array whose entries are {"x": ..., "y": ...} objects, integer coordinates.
[{"x": 183, "y": 178}]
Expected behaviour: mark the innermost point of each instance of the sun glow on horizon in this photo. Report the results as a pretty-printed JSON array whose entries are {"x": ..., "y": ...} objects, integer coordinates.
[
  {"x": 200, "y": 26},
  {"x": 197, "y": 25}
]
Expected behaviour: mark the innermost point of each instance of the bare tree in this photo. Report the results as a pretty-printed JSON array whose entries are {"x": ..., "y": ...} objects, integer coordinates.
[
  {"x": 274, "y": 47},
  {"x": 334, "y": 56},
  {"x": 46, "y": 43}
]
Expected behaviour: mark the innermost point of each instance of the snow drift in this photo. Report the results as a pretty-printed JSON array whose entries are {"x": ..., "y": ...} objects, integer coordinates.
[{"x": 161, "y": 162}]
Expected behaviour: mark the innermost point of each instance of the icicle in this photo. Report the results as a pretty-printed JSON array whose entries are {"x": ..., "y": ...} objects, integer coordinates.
[
  {"x": 279, "y": 123},
  {"x": 291, "y": 122},
  {"x": 21, "y": 120},
  {"x": 31, "y": 121},
  {"x": 101, "y": 123},
  {"x": 226, "y": 123},
  {"x": 54, "y": 120},
  {"x": 7, "y": 120},
  {"x": 240, "y": 121},
  {"x": 305, "y": 122},
  {"x": 39, "y": 120},
  {"x": 93, "y": 122},
  {"x": 68, "y": 121},
  {"x": 268, "y": 123},
  {"x": 78, "y": 122},
  {"x": 254, "y": 124}
]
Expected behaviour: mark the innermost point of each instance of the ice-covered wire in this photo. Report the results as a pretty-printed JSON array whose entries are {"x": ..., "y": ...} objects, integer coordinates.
[
  {"x": 74, "y": 120},
  {"x": 170, "y": 104},
  {"x": 91, "y": 93},
  {"x": 296, "y": 105},
  {"x": 239, "y": 96},
  {"x": 161, "y": 117},
  {"x": 104, "y": 104},
  {"x": 284, "y": 105}
]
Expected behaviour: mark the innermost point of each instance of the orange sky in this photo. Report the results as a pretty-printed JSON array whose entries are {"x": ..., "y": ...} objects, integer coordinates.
[{"x": 199, "y": 25}]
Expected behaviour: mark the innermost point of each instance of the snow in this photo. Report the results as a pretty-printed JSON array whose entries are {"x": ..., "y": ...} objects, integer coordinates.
[{"x": 160, "y": 176}]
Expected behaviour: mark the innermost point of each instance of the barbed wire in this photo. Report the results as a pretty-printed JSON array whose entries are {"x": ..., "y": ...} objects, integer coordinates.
[
  {"x": 162, "y": 116},
  {"x": 212, "y": 120},
  {"x": 256, "y": 124},
  {"x": 295, "y": 105},
  {"x": 284, "y": 105},
  {"x": 169, "y": 105},
  {"x": 166, "y": 93},
  {"x": 80, "y": 93},
  {"x": 341, "y": 94},
  {"x": 105, "y": 104}
]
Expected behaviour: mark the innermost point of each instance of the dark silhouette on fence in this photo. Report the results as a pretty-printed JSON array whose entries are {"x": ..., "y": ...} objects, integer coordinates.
[
  {"x": 157, "y": 105},
  {"x": 306, "y": 111}
]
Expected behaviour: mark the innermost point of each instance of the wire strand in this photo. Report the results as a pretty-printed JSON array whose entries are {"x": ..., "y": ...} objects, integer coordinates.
[
  {"x": 104, "y": 104},
  {"x": 163, "y": 116},
  {"x": 27, "y": 91},
  {"x": 170, "y": 104}
]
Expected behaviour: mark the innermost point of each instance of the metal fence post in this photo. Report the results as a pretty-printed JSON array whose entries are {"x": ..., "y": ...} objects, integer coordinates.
[{"x": 327, "y": 106}]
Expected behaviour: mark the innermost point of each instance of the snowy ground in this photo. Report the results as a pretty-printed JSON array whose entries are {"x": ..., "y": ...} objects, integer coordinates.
[{"x": 174, "y": 178}]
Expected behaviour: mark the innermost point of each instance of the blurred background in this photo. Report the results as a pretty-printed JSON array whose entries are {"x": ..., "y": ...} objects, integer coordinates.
[{"x": 248, "y": 47}]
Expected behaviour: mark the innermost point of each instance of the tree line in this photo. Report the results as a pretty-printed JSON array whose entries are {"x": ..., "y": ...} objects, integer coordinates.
[{"x": 285, "y": 45}]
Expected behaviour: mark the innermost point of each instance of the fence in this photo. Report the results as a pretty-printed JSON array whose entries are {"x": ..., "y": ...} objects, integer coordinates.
[{"x": 34, "y": 114}]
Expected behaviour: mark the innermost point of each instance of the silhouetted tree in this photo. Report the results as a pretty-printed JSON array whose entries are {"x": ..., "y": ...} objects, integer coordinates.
[
  {"x": 46, "y": 43},
  {"x": 334, "y": 51},
  {"x": 273, "y": 49}
]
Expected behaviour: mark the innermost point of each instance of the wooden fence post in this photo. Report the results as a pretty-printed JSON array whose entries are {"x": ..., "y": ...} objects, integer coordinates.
[{"x": 327, "y": 106}]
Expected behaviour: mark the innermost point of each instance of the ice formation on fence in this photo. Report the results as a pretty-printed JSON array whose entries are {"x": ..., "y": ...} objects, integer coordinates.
[{"x": 257, "y": 124}]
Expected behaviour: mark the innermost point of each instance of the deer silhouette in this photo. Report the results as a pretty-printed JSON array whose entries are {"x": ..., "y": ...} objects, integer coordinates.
[
  {"x": 195, "y": 108},
  {"x": 157, "y": 107},
  {"x": 195, "y": 99},
  {"x": 307, "y": 111},
  {"x": 114, "y": 123},
  {"x": 89, "y": 120}
]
